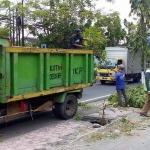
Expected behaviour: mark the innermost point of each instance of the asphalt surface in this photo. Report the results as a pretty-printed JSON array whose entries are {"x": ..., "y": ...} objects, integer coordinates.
[{"x": 98, "y": 91}]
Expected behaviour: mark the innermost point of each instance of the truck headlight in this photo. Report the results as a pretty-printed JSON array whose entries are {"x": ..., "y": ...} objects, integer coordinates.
[{"x": 98, "y": 74}]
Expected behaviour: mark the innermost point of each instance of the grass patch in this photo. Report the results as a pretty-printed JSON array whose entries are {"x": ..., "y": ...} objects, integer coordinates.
[
  {"x": 77, "y": 117},
  {"x": 1, "y": 141},
  {"x": 127, "y": 125},
  {"x": 85, "y": 106},
  {"x": 98, "y": 136}
]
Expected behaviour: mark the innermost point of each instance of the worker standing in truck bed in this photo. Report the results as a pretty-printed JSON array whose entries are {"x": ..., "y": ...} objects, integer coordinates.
[{"x": 76, "y": 39}]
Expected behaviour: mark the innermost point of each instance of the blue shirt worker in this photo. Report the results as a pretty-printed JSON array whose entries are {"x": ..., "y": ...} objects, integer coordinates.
[
  {"x": 120, "y": 85},
  {"x": 75, "y": 41},
  {"x": 146, "y": 107}
]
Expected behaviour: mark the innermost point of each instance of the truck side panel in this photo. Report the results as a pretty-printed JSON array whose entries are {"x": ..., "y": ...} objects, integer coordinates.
[
  {"x": 127, "y": 57},
  {"x": 4, "y": 70},
  {"x": 133, "y": 63},
  {"x": 2, "y": 74},
  {"x": 30, "y": 73}
]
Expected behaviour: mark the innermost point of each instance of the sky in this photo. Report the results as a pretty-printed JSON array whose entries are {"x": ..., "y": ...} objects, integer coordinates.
[{"x": 122, "y": 6}]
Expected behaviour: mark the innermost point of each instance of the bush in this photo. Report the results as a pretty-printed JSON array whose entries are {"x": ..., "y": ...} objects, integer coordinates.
[{"x": 136, "y": 96}]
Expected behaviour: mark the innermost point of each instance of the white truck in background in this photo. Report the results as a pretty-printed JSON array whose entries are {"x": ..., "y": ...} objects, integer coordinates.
[{"x": 116, "y": 56}]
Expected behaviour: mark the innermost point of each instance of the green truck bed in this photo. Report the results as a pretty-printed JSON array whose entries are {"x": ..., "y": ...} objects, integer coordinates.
[{"x": 32, "y": 72}]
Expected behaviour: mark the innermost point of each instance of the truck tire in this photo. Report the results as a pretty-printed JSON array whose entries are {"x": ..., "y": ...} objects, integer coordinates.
[
  {"x": 103, "y": 81},
  {"x": 67, "y": 109},
  {"x": 55, "y": 110},
  {"x": 137, "y": 79}
]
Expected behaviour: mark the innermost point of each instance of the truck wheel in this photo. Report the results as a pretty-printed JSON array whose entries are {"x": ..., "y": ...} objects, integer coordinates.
[
  {"x": 103, "y": 81},
  {"x": 55, "y": 110},
  {"x": 68, "y": 108},
  {"x": 137, "y": 79}
]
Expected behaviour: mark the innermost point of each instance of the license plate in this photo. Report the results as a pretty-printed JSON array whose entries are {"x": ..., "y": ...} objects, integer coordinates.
[{"x": 104, "y": 78}]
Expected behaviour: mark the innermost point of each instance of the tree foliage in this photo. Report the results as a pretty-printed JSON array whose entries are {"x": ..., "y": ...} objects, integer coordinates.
[
  {"x": 4, "y": 4},
  {"x": 95, "y": 41},
  {"x": 130, "y": 34},
  {"x": 4, "y": 32},
  {"x": 111, "y": 26},
  {"x": 141, "y": 9},
  {"x": 4, "y": 17},
  {"x": 54, "y": 21}
]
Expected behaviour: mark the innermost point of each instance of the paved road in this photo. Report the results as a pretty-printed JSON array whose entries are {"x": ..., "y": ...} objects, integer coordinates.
[{"x": 98, "y": 91}]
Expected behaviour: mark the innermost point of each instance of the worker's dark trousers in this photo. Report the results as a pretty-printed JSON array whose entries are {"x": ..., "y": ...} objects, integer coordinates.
[
  {"x": 146, "y": 107},
  {"x": 120, "y": 93}
]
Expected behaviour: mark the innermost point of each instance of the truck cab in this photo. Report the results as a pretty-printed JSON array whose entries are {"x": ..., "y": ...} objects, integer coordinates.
[{"x": 108, "y": 67}]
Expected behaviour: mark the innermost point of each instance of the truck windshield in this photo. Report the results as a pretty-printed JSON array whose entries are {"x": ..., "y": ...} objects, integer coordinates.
[{"x": 110, "y": 63}]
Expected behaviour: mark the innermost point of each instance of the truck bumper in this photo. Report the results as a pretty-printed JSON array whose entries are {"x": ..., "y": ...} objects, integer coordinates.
[{"x": 103, "y": 78}]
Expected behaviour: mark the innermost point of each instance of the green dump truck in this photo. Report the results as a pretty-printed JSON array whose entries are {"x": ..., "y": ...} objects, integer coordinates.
[{"x": 35, "y": 79}]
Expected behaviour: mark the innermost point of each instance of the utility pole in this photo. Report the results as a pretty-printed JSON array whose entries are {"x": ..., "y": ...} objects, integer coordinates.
[
  {"x": 17, "y": 27},
  {"x": 22, "y": 25},
  {"x": 10, "y": 26},
  {"x": 13, "y": 39}
]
